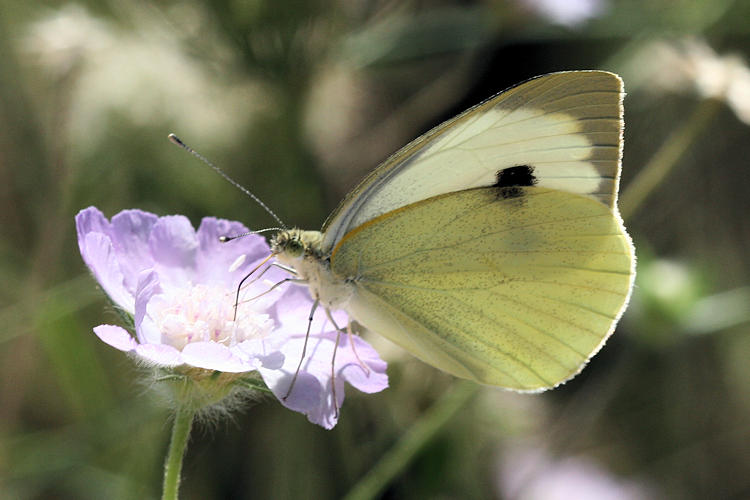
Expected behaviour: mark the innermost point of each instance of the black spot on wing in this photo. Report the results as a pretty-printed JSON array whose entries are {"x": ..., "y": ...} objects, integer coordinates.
[{"x": 512, "y": 180}]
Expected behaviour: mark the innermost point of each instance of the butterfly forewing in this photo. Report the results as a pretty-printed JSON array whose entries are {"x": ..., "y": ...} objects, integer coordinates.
[{"x": 566, "y": 127}]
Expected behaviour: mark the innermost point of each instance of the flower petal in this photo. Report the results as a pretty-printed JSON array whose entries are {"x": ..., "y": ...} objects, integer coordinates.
[
  {"x": 117, "y": 337},
  {"x": 159, "y": 354},
  {"x": 90, "y": 220},
  {"x": 293, "y": 312},
  {"x": 128, "y": 235},
  {"x": 308, "y": 396},
  {"x": 265, "y": 351},
  {"x": 214, "y": 356},
  {"x": 229, "y": 263},
  {"x": 130, "y": 231},
  {"x": 361, "y": 366},
  {"x": 174, "y": 246},
  {"x": 148, "y": 287},
  {"x": 312, "y": 393},
  {"x": 215, "y": 258},
  {"x": 99, "y": 255}
]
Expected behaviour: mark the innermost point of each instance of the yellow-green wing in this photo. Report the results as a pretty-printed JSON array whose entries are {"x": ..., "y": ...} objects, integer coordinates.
[
  {"x": 567, "y": 126},
  {"x": 515, "y": 291}
]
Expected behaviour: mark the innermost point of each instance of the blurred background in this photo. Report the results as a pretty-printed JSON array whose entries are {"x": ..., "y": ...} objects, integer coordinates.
[{"x": 297, "y": 100}]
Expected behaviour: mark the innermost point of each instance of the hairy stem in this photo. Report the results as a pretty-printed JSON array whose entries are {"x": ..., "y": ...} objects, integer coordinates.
[{"x": 183, "y": 422}]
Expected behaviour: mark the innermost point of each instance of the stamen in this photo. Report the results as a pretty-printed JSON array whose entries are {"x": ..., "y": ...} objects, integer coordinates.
[
  {"x": 204, "y": 313},
  {"x": 237, "y": 263}
]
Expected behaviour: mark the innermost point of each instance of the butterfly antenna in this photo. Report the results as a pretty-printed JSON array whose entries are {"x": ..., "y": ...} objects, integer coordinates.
[
  {"x": 176, "y": 140},
  {"x": 224, "y": 239}
]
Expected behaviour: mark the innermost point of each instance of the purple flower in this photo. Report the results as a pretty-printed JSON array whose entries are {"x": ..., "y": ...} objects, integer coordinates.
[
  {"x": 180, "y": 286},
  {"x": 529, "y": 471}
]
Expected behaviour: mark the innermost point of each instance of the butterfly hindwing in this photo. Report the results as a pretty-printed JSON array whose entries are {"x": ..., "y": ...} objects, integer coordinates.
[{"x": 516, "y": 291}]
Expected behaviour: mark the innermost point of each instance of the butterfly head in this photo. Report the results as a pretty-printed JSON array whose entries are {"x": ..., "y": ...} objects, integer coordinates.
[{"x": 296, "y": 244}]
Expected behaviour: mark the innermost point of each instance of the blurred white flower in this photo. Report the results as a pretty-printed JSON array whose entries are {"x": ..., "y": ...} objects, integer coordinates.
[
  {"x": 568, "y": 13},
  {"x": 691, "y": 65},
  {"x": 144, "y": 74},
  {"x": 63, "y": 39},
  {"x": 528, "y": 472}
]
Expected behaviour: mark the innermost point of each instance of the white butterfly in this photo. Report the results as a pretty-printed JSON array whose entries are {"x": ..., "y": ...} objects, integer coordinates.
[{"x": 491, "y": 247}]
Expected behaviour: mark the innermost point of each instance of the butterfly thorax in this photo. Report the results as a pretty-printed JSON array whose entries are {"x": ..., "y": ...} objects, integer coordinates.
[{"x": 303, "y": 252}]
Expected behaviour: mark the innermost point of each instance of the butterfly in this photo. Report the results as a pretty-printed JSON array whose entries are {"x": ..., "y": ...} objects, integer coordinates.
[{"x": 491, "y": 247}]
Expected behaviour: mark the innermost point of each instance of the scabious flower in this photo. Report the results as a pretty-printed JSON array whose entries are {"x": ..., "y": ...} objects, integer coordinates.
[
  {"x": 528, "y": 471},
  {"x": 180, "y": 286}
]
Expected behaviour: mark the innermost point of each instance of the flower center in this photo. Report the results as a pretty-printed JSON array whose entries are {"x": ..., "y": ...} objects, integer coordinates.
[{"x": 203, "y": 313}]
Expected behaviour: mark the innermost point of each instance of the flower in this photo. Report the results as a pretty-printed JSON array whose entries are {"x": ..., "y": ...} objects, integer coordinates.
[
  {"x": 690, "y": 64},
  {"x": 570, "y": 13},
  {"x": 529, "y": 471},
  {"x": 180, "y": 287},
  {"x": 154, "y": 75}
]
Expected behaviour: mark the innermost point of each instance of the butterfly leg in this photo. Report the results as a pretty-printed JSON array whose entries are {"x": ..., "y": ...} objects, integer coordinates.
[
  {"x": 351, "y": 340},
  {"x": 242, "y": 281},
  {"x": 274, "y": 286},
  {"x": 354, "y": 349},
  {"x": 304, "y": 348},
  {"x": 333, "y": 371},
  {"x": 264, "y": 271}
]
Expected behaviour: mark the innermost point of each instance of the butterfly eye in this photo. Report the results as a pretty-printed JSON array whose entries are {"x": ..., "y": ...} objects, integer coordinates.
[{"x": 294, "y": 248}]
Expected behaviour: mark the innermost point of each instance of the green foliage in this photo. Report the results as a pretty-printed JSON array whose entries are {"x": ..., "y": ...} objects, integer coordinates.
[{"x": 297, "y": 101}]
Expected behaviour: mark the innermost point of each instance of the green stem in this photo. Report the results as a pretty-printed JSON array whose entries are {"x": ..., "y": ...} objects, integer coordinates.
[
  {"x": 183, "y": 421},
  {"x": 398, "y": 457},
  {"x": 662, "y": 163}
]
